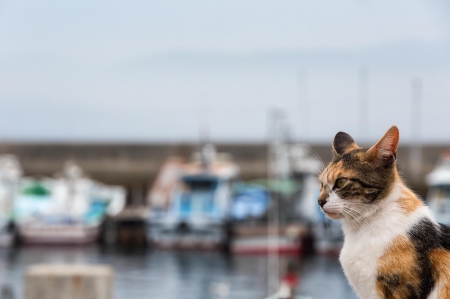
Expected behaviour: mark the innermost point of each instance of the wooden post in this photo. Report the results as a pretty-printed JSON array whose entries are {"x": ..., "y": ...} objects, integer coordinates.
[{"x": 68, "y": 282}]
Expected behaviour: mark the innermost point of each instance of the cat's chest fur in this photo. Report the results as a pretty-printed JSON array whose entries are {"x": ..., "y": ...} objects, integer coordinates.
[
  {"x": 363, "y": 247},
  {"x": 359, "y": 258}
]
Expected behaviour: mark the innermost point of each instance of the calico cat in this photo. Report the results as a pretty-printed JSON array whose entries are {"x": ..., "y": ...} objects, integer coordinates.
[{"x": 393, "y": 247}]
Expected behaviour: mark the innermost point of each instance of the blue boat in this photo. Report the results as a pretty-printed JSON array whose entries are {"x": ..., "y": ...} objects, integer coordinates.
[{"x": 197, "y": 212}]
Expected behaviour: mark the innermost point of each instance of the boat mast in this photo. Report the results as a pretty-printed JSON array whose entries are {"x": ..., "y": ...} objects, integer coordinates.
[
  {"x": 416, "y": 142},
  {"x": 363, "y": 96},
  {"x": 278, "y": 170}
]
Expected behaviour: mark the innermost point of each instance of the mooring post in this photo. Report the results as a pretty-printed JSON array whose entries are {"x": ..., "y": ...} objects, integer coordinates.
[{"x": 68, "y": 282}]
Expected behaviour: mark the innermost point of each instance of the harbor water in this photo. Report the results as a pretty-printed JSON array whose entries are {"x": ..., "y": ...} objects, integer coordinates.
[{"x": 181, "y": 275}]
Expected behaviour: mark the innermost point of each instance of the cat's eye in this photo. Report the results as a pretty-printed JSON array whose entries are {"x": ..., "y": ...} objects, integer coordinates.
[{"x": 340, "y": 183}]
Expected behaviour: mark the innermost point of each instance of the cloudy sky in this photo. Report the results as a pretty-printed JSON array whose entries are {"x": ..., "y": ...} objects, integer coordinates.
[{"x": 159, "y": 70}]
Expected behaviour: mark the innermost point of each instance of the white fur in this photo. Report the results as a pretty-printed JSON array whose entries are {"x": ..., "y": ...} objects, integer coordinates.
[
  {"x": 435, "y": 293},
  {"x": 365, "y": 243}
]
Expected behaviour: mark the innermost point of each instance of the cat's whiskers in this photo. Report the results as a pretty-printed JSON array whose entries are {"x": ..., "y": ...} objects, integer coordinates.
[
  {"x": 356, "y": 207},
  {"x": 317, "y": 156},
  {"x": 353, "y": 223},
  {"x": 352, "y": 215},
  {"x": 358, "y": 217},
  {"x": 355, "y": 215}
]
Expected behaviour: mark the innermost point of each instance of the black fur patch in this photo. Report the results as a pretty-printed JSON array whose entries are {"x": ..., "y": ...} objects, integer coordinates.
[
  {"x": 341, "y": 142},
  {"x": 373, "y": 181},
  {"x": 425, "y": 237},
  {"x": 444, "y": 236},
  {"x": 391, "y": 282},
  {"x": 357, "y": 189}
]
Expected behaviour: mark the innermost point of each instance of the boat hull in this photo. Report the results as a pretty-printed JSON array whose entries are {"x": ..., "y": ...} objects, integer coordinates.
[
  {"x": 267, "y": 245},
  {"x": 268, "y": 239},
  {"x": 206, "y": 239},
  {"x": 58, "y": 234}
]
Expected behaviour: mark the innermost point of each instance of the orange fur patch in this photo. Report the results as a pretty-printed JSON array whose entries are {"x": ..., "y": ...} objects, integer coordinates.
[
  {"x": 323, "y": 195},
  {"x": 440, "y": 261},
  {"x": 333, "y": 174},
  {"x": 397, "y": 270},
  {"x": 324, "y": 173},
  {"x": 409, "y": 201},
  {"x": 386, "y": 146},
  {"x": 351, "y": 147},
  {"x": 337, "y": 171}
]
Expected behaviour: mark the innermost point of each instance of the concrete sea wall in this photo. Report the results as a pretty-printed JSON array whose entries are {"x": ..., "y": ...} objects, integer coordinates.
[{"x": 137, "y": 164}]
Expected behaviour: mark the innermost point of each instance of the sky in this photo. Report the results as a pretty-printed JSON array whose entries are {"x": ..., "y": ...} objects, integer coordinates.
[{"x": 158, "y": 71}]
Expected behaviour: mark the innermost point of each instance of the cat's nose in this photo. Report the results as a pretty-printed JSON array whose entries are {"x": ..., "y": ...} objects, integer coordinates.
[{"x": 322, "y": 202}]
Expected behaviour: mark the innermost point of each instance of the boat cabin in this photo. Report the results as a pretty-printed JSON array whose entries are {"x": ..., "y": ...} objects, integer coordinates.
[
  {"x": 438, "y": 196},
  {"x": 202, "y": 196}
]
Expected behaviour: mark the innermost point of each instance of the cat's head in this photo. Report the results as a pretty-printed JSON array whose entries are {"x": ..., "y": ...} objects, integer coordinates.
[{"x": 356, "y": 177}]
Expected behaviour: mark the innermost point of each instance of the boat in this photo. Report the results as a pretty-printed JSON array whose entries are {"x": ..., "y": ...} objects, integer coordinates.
[
  {"x": 65, "y": 210},
  {"x": 191, "y": 208},
  {"x": 267, "y": 239},
  {"x": 277, "y": 295},
  {"x": 10, "y": 175},
  {"x": 253, "y": 230},
  {"x": 292, "y": 188},
  {"x": 438, "y": 195},
  {"x": 327, "y": 234},
  {"x": 159, "y": 196}
]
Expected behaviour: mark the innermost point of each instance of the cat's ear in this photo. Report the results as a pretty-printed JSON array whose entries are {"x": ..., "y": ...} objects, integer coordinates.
[
  {"x": 343, "y": 143},
  {"x": 386, "y": 149}
]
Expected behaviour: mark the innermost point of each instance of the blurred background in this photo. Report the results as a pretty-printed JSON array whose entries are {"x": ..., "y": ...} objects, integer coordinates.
[{"x": 179, "y": 142}]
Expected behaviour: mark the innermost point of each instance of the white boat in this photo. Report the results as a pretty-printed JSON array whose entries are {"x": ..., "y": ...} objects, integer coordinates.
[
  {"x": 277, "y": 230},
  {"x": 199, "y": 200},
  {"x": 10, "y": 174},
  {"x": 284, "y": 240},
  {"x": 66, "y": 210},
  {"x": 293, "y": 188},
  {"x": 438, "y": 196},
  {"x": 61, "y": 233},
  {"x": 252, "y": 234},
  {"x": 277, "y": 295},
  {"x": 327, "y": 233},
  {"x": 303, "y": 166}
]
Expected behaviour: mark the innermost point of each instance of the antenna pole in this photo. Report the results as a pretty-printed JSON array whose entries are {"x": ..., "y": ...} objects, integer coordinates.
[
  {"x": 416, "y": 142},
  {"x": 363, "y": 95},
  {"x": 302, "y": 85}
]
